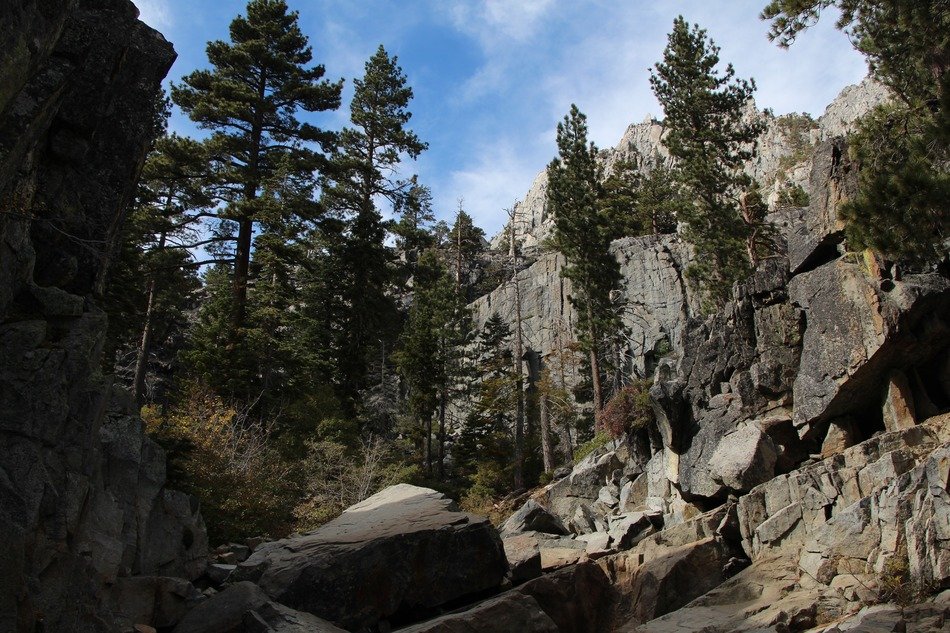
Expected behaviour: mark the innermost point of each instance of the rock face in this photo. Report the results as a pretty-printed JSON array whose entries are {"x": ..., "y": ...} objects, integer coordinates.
[
  {"x": 82, "y": 502},
  {"x": 396, "y": 556}
]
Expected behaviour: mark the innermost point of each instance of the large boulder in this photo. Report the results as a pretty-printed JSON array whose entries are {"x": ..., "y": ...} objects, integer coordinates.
[
  {"x": 744, "y": 459},
  {"x": 579, "y": 599},
  {"x": 532, "y": 517},
  {"x": 396, "y": 556}
]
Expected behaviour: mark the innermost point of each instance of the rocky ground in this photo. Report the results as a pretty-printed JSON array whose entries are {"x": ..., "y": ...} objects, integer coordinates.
[{"x": 797, "y": 478}]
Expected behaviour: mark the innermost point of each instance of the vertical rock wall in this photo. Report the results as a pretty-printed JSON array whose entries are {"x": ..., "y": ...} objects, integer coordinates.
[{"x": 81, "y": 488}]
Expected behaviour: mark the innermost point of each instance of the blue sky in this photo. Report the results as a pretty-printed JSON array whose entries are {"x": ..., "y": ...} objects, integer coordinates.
[{"x": 493, "y": 77}]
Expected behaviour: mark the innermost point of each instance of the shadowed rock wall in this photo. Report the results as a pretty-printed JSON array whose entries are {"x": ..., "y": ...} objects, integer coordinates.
[{"x": 82, "y": 500}]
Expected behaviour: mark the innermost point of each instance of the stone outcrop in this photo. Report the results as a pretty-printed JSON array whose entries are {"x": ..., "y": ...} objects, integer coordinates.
[
  {"x": 82, "y": 500},
  {"x": 397, "y": 556}
]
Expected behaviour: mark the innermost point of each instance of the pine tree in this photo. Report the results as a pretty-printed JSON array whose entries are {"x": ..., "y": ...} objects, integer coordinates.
[
  {"x": 659, "y": 201},
  {"x": 464, "y": 244},
  {"x": 902, "y": 149},
  {"x": 710, "y": 139},
  {"x": 428, "y": 347},
  {"x": 249, "y": 100},
  {"x": 363, "y": 172},
  {"x": 163, "y": 227},
  {"x": 583, "y": 233}
]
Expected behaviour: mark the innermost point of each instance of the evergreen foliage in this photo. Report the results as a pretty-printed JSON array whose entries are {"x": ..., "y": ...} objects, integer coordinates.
[
  {"x": 584, "y": 228},
  {"x": 711, "y": 139},
  {"x": 249, "y": 100},
  {"x": 363, "y": 172}
]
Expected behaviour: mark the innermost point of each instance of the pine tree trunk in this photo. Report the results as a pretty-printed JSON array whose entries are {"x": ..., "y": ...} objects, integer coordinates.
[
  {"x": 595, "y": 371},
  {"x": 547, "y": 451},
  {"x": 429, "y": 446},
  {"x": 242, "y": 263},
  {"x": 145, "y": 346},
  {"x": 519, "y": 379},
  {"x": 442, "y": 405}
]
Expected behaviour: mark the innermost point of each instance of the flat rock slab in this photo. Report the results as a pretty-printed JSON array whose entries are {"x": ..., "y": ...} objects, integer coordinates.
[
  {"x": 396, "y": 556},
  {"x": 244, "y": 608},
  {"x": 508, "y": 612}
]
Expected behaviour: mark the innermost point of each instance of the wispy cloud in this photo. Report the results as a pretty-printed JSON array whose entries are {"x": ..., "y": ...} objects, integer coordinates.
[{"x": 156, "y": 13}]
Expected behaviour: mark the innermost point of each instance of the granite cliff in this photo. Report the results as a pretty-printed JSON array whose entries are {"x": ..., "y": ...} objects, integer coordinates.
[{"x": 83, "y": 507}]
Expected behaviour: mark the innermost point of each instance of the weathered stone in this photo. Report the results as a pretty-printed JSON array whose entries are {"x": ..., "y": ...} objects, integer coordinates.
[
  {"x": 628, "y": 529},
  {"x": 671, "y": 580},
  {"x": 408, "y": 547},
  {"x": 153, "y": 600},
  {"x": 556, "y": 557},
  {"x": 598, "y": 545},
  {"x": 899, "y": 412},
  {"x": 512, "y": 611},
  {"x": 841, "y": 435},
  {"x": 582, "y": 486},
  {"x": 578, "y": 599},
  {"x": 744, "y": 459},
  {"x": 524, "y": 557},
  {"x": 245, "y": 608},
  {"x": 532, "y": 517}
]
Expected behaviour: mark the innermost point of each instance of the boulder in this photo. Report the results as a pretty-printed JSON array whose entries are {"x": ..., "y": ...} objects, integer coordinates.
[
  {"x": 627, "y": 530},
  {"x": 582, "y": 486},
  {"x": 398, "y": 555},
  {"x": 244, "y": 608},
  {"x": 579, "y": 599},
  {"x": 509, "y": 612},
  {"x": 524, "y": 557},
  {"x": 672, "y": 579},
  {"x": 743, "y": 459},
  {"x": 532, "y": 517}
]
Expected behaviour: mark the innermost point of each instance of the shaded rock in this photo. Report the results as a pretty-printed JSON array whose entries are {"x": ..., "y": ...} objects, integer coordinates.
[
  {"x": 218, "y": 572},
  {"x": 524, "y": 557},
  {"x": 532, "y": 517},
  {"x": 673, "y": 579},
  {"x": 80, "y": 481},
  {"x": 578, "y": 599},
  {"x": 245, "y": 608},
  {"x": 629, "y": 529},
  {"x": 743, "y": 459},
  {"x": 858, "y": 333},
  {"x": 509, "y": 612},
  {"x": 153, "y": 600},
  {"x": 598, "y": 544},
  {"x": 395, "y": 556}
]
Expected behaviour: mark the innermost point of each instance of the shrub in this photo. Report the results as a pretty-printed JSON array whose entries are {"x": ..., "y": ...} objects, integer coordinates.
[
  {"x": 629, "y": 409},
  {"x": 226, "y": 457},
  {"x": 588, "y": 447},
  {"x": 338, "y": 476}
]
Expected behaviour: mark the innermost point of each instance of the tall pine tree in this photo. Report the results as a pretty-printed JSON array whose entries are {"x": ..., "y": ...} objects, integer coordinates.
[
  {"x": 363, "y": 173},
  {"x": 250, "y": 99},
  {"x": 583, "y": 231},
  {"x": 710, "y": 139}
]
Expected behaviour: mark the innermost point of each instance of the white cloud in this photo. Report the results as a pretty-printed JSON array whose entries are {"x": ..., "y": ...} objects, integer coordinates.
[
  {"x": 498, "y": 175},
  {"x": 155, "y": 13}
]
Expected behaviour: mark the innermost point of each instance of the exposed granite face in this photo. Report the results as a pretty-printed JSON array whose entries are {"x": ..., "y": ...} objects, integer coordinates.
[
  {"x": 81, "y": 488},
  {"x": 778, "y": 159}
]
